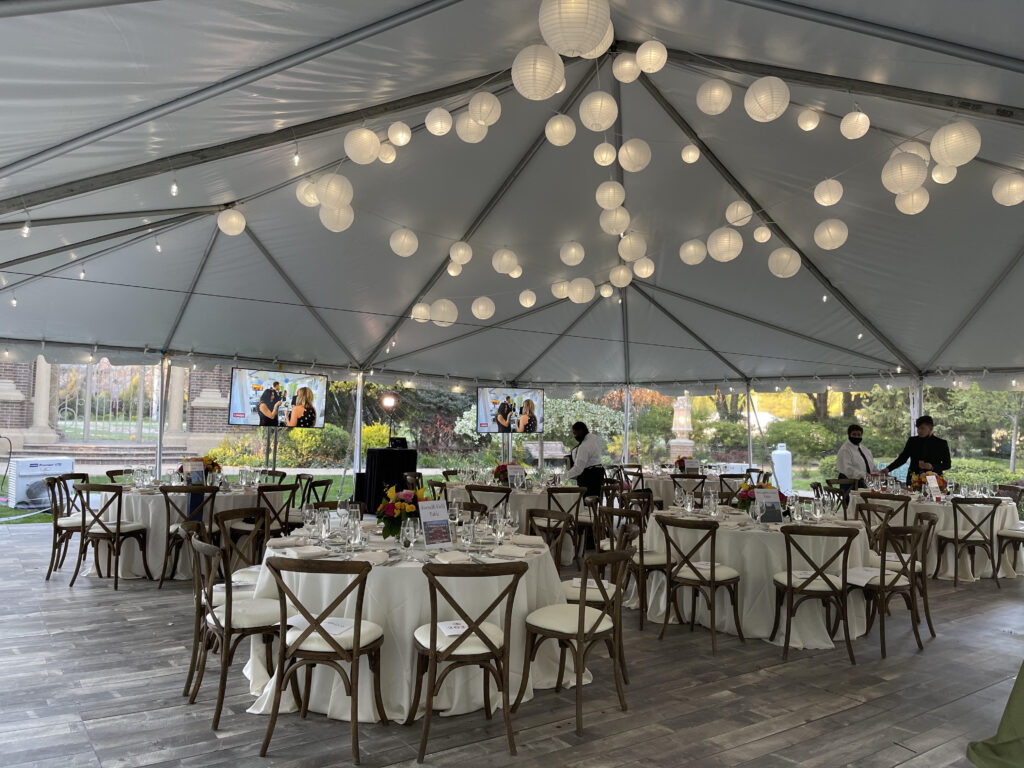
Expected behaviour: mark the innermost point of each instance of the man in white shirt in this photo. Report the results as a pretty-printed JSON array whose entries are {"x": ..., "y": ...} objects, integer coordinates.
[
  {"x": 854, "y": 461},
  {"x": 586, "y": 460}
]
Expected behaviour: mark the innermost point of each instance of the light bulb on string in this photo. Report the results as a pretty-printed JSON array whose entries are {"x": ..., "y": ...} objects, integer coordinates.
[
  {"x": 26, "y": 228},
  {"x": 14, "y": 301},
  {"x": 295, "y": 157},
  {"x": 81, "y": 275},
  {"x": 174, "y": 188},
  {"x": 157, "y": 247}
]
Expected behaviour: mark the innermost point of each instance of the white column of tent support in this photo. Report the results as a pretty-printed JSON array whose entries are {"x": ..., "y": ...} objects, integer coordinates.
[
  {"x": 750, "y": 435},
  {"x": 140, "y": 401},
  {"x": 357, "y": 429},
  {"x": 916, "y": 404},
  {"x": 627, "y": 406},
  {"x": 159, "y": 469}
]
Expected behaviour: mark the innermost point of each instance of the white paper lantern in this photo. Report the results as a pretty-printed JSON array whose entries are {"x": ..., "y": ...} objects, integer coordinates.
[
  {"x": 421, "y": 312},
  {"x": 620, "y": 276},
  {"x": 231, "y": 222},
  {"x": 956, "y": 143},
  {"x": 560, "y": 130},
  {"x": 333, "y": 190},
  {"x": 632, "y": 246},
  {"x": 527, "y": 298},
  {"x": 767, "y": 99},
  {"x": 571, "y": 253},
  {"x": 692, "y": 252},
  {"x": 305, "y": 192},
  {"x": 337, "y": 219},
  {"x": 454, "y": 269},
  {"x": 504, "y": 261},
  {"x": 739, "y": 213},
  {"x": 516, "y": 272},
  {"x": 808, "y": 119},
  {"x": 784, "y": 262},
  {"x": 444, "y": 313},
  {"x": 560, "y": 289},
  {"x": 581, "y": 290},
  {"x": 651, "y": 56},
  {"x": 598, "y": 111},
  {"x": 469, "y": 130},
  {"x": 438, "y": 121},
  {"x": 634, "y": 155},
  {"x": 399, "y": 133},
  {"x": 690, "y": 154},
  {"x": 913, "y": 202},
  {"x": 482, "y": 308},
  {"x": 644, "y": 267},
  {"x": 404, "y": 242},
  {"x": 387, "y": 154},
  {"x": 561, "y": 87},
  {"x": 605, "y": 154},
  {"x": 914, "y": 148},
  {"x": 831, "y": 234},
  {"x": 484, "y": 108},
  {"x": 725, "y": 244},
  {"x": 460, "y": 252},
  {"x": 762, "y": 234},
  {"x": 1009, "y": 189},
  {"x": 573, "y": 27},
  {"x": 828, "y": 192},
  {"x": 362, "y": 146},
  {"x": 537, "y": 72},
  {"x": 614, "y": 221},
  {"x": 625, "y": 69},
  {"x": 610, "y": 194},
  {"x": 604, "y": 45},
  {"x": 904, "y": 172},
  {"x": 714, "y": 97},
  {"x": 943, "y": 174},
  {"x": 854, "y": 124},
  {"x": 606, "y": 290}
]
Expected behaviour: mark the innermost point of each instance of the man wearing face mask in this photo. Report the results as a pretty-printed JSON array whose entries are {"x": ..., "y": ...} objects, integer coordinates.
[{"x": 854, "y": 461}]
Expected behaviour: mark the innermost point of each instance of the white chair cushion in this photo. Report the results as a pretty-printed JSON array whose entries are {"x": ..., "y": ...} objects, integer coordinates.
[
  {"x": 722, "y": 572},
  {"x": 241, "y": 525},
  {"x": 893, "y": 581},
  {"x": 248, "y": 575},
  {"x": 565, "y": 619},
  {"x": 948, "y": 534},
  {"x": 605, "y": 545},
  {"x": 651, "y": 558},
  {"x": 891, "y": 565},
  {"x": 239, "y": 591},
  {"x": 818, "y": 585},
  {"x": 69, "y": 522},
  {"x": 126, "y": 527},
  {"x": 572, "y": 594},
  {"x": 1012, "y": 533},
  {"x": 472, "y": 645},
  {"x": 369, "y": 633},
  {"x": 257, "y": 612}
]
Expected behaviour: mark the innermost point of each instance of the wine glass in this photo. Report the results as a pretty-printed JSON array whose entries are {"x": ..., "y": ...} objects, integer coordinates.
[
  {"x": 308, "y": 517},
  {"x": 688, "y": 502},
  {"x": 817, "y": 510},
  {"x": 796, "y": 509},
  {"x": 407, "y": 537},
  {"x": 500, "y": 529}
]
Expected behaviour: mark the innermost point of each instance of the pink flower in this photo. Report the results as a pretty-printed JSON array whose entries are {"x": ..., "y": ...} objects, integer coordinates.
[
  {"x": 389, "y": 510},
  {"x": 406, "y": 496}
]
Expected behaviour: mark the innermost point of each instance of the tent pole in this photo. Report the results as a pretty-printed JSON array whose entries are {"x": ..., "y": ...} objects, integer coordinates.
[
  {"x": 750, "y": 435},
  {"x": 163, "y": 412},
  {"x": 916, "y": 403},
  {"x": 357, "y": 428},
  {"x": 627, "y": 402}
]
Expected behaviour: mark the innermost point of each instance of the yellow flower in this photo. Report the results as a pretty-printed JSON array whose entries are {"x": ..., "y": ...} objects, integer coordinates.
[{"x": 391, "y": 493}]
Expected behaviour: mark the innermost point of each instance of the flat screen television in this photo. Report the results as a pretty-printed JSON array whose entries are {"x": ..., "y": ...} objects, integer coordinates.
[
  {"x": 249, "y": 386},
  {"x": 489, "y": 408}
]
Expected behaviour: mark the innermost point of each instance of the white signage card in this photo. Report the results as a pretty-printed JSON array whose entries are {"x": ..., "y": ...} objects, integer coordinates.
[
  {"x": 193, "y": 472},
  {"x": 516, "y": 470},
  {"x": 768, "y": 504},
  {"x": 933, "y": 487},
  {"x": 691, "y": 466},
  {"x": 434, "y": 518},
  {"x": 452, "y": 628}
]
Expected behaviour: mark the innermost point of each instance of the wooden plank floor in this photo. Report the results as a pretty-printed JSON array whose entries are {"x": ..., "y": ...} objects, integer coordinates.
[{"x": 93, "y": 677}]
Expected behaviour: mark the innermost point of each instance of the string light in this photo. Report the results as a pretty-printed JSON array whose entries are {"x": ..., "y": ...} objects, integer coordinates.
[
  {"x": 899, "y": 369},
  {"x": 81, "y": 275},
  {"x": 824, "y": 299},
  {"x": 174, "y": 188},
  {"x": 26, "y": 228},
  {"x": 158, "y": 248},
  {"x": 73, "y": 256},
  {"x": 860, "y": 336},
  {"x": 295, "y": 157},
  {"x": 14, "y": 301}
]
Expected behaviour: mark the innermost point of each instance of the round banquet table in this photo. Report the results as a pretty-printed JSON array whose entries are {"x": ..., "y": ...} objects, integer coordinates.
[{"x": 396, "y": 598}]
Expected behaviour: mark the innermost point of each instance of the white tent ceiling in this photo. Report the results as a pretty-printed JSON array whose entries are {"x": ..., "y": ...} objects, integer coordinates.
[{"x": 106, "y": 105}]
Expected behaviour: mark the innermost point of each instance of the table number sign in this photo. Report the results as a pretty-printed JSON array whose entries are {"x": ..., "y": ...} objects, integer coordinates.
[
  {"x": 434, "y": 518},
  {"x": 691, "y": 466},
  {"x": 768, "y": 505},
  {"x": 933, "y": 487},
  {"x": 516, "y": 475}
]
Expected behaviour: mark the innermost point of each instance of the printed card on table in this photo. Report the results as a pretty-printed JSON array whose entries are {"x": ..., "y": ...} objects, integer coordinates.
[
  {"x": 691, "y": 466},
  {"x": 516, "y": 470},
  {"x": 768, "y": 505},
  {"x": 933, "y": 487},
  {"x": 193, "y": 472},
  {"x": 434, "y": 518}
]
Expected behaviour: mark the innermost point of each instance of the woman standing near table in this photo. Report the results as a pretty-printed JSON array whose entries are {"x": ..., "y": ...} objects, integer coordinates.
[{"x": 303, "y": 414}]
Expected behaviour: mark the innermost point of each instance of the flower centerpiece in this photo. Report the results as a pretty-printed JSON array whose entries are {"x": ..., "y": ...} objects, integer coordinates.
[
  {"x": 681, "y": 464},
  {"x": 501, "y": 472},
  {"x": 398, "y": 506},
  {"x": 745, "y": 496},
  {"x": 920, "y": 482}
]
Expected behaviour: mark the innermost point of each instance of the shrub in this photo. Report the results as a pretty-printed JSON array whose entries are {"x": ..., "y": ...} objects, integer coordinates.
[
  {"x": 319, "y": 447},
  {"x": 805, "y": 440}
]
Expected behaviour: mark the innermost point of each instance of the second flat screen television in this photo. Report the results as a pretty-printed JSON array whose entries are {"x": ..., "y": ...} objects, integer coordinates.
[
  {"x": 249, "y": 385},
  {"x": 489, "y": 408}
]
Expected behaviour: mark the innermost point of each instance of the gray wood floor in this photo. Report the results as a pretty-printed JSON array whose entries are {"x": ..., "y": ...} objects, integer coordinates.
[{"x": 93, "y": 677}]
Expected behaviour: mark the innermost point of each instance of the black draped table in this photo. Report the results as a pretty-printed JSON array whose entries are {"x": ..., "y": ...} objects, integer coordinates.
[{"x": 384, "y": 467}]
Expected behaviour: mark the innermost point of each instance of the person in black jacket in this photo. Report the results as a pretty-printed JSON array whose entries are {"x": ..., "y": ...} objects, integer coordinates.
[{"x": 927, "y": 453}]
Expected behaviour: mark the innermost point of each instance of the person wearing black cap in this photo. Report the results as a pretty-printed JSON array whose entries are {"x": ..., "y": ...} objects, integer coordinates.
[
  {"x": 586, "y": 460},
  {"x": 927, "y": 453}
]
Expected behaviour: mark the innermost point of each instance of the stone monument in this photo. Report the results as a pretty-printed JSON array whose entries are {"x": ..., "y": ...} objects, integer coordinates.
[{"x": 681, "y": 446}]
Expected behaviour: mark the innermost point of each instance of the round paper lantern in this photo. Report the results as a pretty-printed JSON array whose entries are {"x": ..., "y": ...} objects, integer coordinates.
[
  {"x": 399, "y": 133},
  {"x": 1009, "y": 189},
  {"x": 598, "y": 111},
  {"x": 527, "y": 298},
  {"x": 714, "y": 97},
  {"x": 784, "y": 262},
  {"x": 828, "y": 192},
  {"x": 404, "y": 242},
  {"x": 581, "y": 290},
  {"x": 571, "y": 253},
  {"x": 914, "y": 148},
  {"x": 854, "y": 124},
  {"x": 438, "y": 121},
  {"x": 485, "y": 108},
  {"x": 573, "y": 27},
  {"x": 808, "y": 119},
  {"x": 831, "y": 234},
  {"x": 956, "y": 143},
  {"x": 604, "y": 45},
  {"x": 614, "y": 221},
  {"x": 387, "y": 154},
  {"x": 632, "y": 246},
  {"x": 337, "y": 219},
  {"x": 762, "y": 234},
  {"x": 604, "y": 154},
  {"x": 725, "y": 244},
  {"x": 362, "y": 146},
  {"x": 634, "y": 155},
  {"x": 504, "y": 261},
  {"x": 560, "y": 289},
  {"x": 516, "y": 272},
  {"x": 460, "y": 252},
  {"x": 644, "y": 267},
  {"x": 482, "y": 308},
  {"x": 620, "y": 276},
  {"x": 943, "y": 174},
  {"x": 767, "y": 99},
  {"x": 561, "y": 87},
  {"x": 454, "y": 269},
  {"x": 913, "y": 202},
  {"x": 606, "y": 290},
  {"x": 231, "y": 222},
  {"x": 904, "y": 172},
  {"x": 610, "y": 194},
  {"x": 625, "y": 69},
  {"x": 651, "y": 56},
  {"x": 469, "y": 130},
  {"x": 421, "y": 312},
  {"x": 692, "y": 252},
  {"x": 738, "y": 213},
  {"x": 560, "y": 130},
  {"x": 690, "y": 154},
  {"x": 333, "y": 190},
  {"x": 444, "y": 313},
  {"x": 537, "y": 71},
  {"x": 305, "y": 192}
]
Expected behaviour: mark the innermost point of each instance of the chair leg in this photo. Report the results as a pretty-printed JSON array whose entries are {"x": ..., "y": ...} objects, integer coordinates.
[
  {"x": 225, "y": 662},
  {"x": 578, "y": 656},
  {"x": 116, "y": 546},
  {"x": 421, "y": 670},
  {"x": 141, "y": 539},
  {"x": 78, "y": 562},
  {"x": 924, "y": 599},
  {"x": 789, "y": 623},
  {"x": 506, "y": 712},
  {"x": 562, "y": 650},
  {"x": 163, "y": 567},
  {"x": 693, "y": 607},
  {"x": 528, "y": 652},
  {"x": 615, "y": 652},
  {"x": 308, "y": 694},
  {"x": 915, "y": 619},
  {"x": 734, "y": 597},
  {"x": 487, "y": 693},
  {"x": 200, "y": 669},
  {"x": 354, "y": 683},
  {"x": 671, "y": 596},
  {"x": 278, "y": 685},
  {"x": 194, "y": 654},
  {"x": 711, "y": 610},
  {"x": 938, "y": 558},
  {"x": 374, "y": 658},
  {"x": 778, "y": 613},
  {"x": 53, "y": 554},
  {"x": 882, "y": 600},
  {"x": 842, "y": 608},
  {"x": 431, "y": 682}
]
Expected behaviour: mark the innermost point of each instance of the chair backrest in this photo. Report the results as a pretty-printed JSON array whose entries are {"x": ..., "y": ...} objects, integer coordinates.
[
  {"x": 876, "y": 517},
  {"x": 316, "y": 490},
  {"x": 92, "y": 520},
  {"x": 438, "y": 573},
  {"x": 551, "y": 524},
  {"x": 413, "y": 480},
  {"x": 566, "y": 498},
  {"x": 755, "y": 475},
  {"x": 58, "y": 508},
  {"x": 927, "y": 521},
  {"x": 899, "y": 546},
  {"x": 66, "y": 496},
  {"x": 246, "y": 551},
  {"x": 595, "y": 593},
  {"x": 189, "y": 502},
  {"x": 119, "y": 475},
  {"x": 797, "y": 555},
  {"x": 450, "y": 474},
  {"x": 1015, "y": 492},
  {"x": 965, "y": 526},
  {"x": 277, "y": 474},
  {"x": 303, "y": 479},
  {"x": 643, "y": 501},
  {"x": 610, "y": 490},
  {"x": 277, "y": 510},
  {"x": 679, "y": 559},
  {"x": 729, "y": 486},
  {"x": 475, "y": 508},
  {"x": 898, "y": 501},
  {"x": 493, "y": 496},
  {"x": 840, "y": 487},
  {"x": 438, "y": 489},
  {"x": 633, "y": 479},
  {"x": 207, "y": 567},
  {"x": 691, "y": 482}
]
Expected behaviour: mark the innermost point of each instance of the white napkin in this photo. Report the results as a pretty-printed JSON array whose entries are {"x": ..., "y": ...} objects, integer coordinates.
[
  {"x": 307, "y": 553},
  {"x": 529, "y": 541},
  {"x": 287, "y": 541},
  {"x": 452, "y": 557},
  {"x": 377, "y": 558},
  {"x": 510, "y": 550}
]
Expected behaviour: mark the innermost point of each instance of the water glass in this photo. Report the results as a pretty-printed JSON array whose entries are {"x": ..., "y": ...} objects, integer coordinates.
[
  {"x": 344, "y": 513},
  {"x": 817, "y": 510},
  {"x": 407, "y": 537},
  {"x": 354, "y": 534},
  {"x": 688, "y": 502},
  {"x": 796, "y": 511},
  {"x": 500, "y": 530},
  {"x": 308, "y": 517},
  {"x": 325, "y": 525}
]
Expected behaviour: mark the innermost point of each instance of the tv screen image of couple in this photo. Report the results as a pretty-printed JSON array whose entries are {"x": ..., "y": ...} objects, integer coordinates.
[
  {"x": 509, "y": 409},
  {"x": 249, "y": 387}
]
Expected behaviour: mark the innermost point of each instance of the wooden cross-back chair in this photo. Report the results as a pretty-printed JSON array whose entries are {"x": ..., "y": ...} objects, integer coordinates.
[
  {"x": 438, "y": 490},
  {"x": 114, "y": 533},
  {"x": 242, "y": 533},
  {"x": 66, "y": 515},
  {"x": 276, "y": 475},
  {"x": 569, "y": 499},
  {"x": 729, "y": 486},
  {"x": 316, "y": 490},
  {"x": 633, "y": 478},
  {"x": 876, "y": 517},
  {"x": 119, "y": 475},
  {"x": 184, "y": 503},
  {"x": 969, "y": 535},
  {"x": 413, "y": 480},
  {"x": 690, "y": 482},
  {"x": 900, "y": 546},
  {"x": 279, "y": 501},
  {"x": 303, "y": 479},
  {"x": 450, "y": 474},
  {"x": 494, "y": 496},
  {"x": 553, "y": 525}
]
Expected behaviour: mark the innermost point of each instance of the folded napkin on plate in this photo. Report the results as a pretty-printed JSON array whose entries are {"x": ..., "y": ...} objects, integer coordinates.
[
  {"x": 287, "y": 541},
  {"x": 369, "y": 526},
  {"x": 744, "y": 522},
  {"x": 307, "y": 553},
  {"x": 529, "y": 541},
  {"x": 510, "y": 550},
  {"x": 450, "y": 558},
  {"x": 375, "y": 557}
]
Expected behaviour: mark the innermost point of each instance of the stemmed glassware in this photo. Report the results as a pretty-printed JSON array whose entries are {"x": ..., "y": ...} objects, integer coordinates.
[
  {"x": 688, "y": 502},
  {"x": 407, "y": 537}
]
